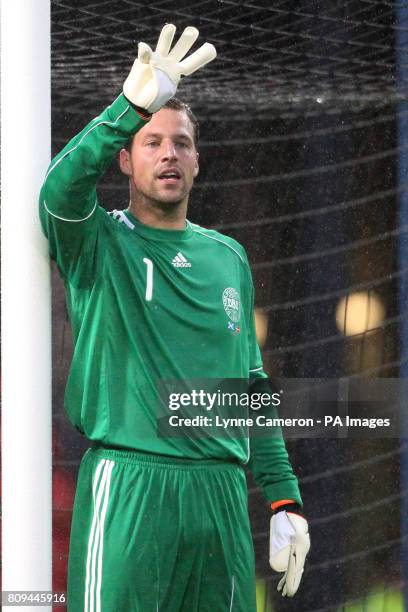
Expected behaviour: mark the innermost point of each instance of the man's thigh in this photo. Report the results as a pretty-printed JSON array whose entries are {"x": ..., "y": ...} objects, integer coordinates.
[{"x": 155, "y": 533}]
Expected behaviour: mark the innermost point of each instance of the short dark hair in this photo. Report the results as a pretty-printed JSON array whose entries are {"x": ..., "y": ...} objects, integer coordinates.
[{"x": 178, "y": 105}]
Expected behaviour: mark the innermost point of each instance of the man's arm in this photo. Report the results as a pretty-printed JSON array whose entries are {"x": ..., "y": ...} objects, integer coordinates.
[
  {"x": 289, "y": 540},
  {"x": 269, "y": 461},
  {"x": 68, "y": 202}
]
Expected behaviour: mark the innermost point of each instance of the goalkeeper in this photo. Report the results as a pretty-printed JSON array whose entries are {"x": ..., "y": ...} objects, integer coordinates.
[{"x": 159, "y": 523}]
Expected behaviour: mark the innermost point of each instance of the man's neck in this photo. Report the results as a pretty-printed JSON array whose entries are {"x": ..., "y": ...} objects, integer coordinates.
[{"x": 172, "y": 216}]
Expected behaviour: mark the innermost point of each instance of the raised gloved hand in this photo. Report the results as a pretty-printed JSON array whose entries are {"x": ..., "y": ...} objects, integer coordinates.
[
  {"x": 288, "y": 546},
  {"x": 155, "y": 74}
]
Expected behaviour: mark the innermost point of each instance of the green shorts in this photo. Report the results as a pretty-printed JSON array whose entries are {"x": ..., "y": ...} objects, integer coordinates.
[{"x": 159, "y": 534}]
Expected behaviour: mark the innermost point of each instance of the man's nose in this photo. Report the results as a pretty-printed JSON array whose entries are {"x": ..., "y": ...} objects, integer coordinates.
[{"x": 169, "y": 150}]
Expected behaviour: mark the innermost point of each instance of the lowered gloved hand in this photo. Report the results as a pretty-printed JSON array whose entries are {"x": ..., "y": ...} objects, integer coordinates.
[
  {"x": 155, "y": 74},
  {"x": 288, "y": 546}
]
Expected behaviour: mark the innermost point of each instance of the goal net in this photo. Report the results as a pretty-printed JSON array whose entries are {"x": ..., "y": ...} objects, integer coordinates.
[{"x": 299, "y": 159}]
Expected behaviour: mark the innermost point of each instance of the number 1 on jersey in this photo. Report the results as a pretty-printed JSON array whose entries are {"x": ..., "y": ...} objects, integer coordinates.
[{"x": 149, "y": 279}]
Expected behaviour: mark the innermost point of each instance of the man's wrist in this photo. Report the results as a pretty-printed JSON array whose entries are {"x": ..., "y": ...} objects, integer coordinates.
[
  {"x": 142, "y": 112},
  {"x": 287, "y": 505}
]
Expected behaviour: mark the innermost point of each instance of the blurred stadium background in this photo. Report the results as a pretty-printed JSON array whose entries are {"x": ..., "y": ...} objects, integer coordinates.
[{"x": 303, "y": 160}]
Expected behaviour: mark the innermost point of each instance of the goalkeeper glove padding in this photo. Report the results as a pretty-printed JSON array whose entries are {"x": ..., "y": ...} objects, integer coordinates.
[
  {"x": 288, "y": 546},
  {"x": 155, "y": 74}
]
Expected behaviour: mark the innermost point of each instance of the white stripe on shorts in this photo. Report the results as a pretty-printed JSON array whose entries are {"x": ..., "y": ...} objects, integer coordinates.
[
  {"x": 232, "y": 593},
  {"x": 100, "y": 494}
]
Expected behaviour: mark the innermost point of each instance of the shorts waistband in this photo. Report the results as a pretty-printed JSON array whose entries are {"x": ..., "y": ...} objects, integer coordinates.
[{"x": 135, "y": 457}]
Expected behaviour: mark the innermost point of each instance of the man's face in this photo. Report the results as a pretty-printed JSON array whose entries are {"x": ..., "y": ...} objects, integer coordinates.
[{"x": 163, "y": 160}]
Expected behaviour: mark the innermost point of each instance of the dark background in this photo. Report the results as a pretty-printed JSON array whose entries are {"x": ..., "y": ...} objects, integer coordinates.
[{"x": 299, "y": 162}]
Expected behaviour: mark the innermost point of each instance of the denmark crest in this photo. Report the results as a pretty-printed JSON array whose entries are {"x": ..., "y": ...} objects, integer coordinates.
[{"x": 232, "y": 304}]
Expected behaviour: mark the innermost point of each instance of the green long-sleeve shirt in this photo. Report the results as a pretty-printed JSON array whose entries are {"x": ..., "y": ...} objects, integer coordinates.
[{"x": 148, "y": 304}]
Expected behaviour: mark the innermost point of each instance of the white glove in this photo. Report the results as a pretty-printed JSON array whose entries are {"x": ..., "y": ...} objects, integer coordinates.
[
  {"x": 155, "y": 74},
  {"x": 288, "y": 546}
]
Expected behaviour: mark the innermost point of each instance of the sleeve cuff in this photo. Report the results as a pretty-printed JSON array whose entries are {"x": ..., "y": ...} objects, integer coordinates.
[
  {"x": 287, "y": 490},
  {"x": 131, "y": 120},
  {"x": 142, "y": 112}
]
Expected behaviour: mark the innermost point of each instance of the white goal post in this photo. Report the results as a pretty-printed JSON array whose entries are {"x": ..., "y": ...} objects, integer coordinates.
[{"x": 26, "y": 320}]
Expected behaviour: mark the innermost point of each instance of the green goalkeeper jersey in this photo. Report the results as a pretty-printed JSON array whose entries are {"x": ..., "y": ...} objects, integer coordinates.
[{"x": 149, "y": 304}]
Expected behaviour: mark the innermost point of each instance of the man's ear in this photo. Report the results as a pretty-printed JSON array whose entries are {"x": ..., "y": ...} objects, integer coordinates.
[{"x": 124, "y": 162}]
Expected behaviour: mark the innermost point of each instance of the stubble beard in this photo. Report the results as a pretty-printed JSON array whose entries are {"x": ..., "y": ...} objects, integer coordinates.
[{"x": 152, "y": 199}]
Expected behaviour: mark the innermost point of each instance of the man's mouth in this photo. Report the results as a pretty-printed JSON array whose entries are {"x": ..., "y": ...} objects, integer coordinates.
[{"x": 170, "y": 177}]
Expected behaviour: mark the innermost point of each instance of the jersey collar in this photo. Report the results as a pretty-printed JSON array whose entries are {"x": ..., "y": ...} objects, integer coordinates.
[{"x": 155, "y": 233}]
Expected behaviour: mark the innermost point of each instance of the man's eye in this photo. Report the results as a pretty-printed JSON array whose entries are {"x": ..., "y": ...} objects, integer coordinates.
[
  {"x": 183, "y": 145},
  {"x": 152, "y": 143}
]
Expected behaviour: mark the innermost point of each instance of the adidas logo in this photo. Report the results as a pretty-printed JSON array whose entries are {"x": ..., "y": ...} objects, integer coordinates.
[{"x": 179, "y": 261}]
